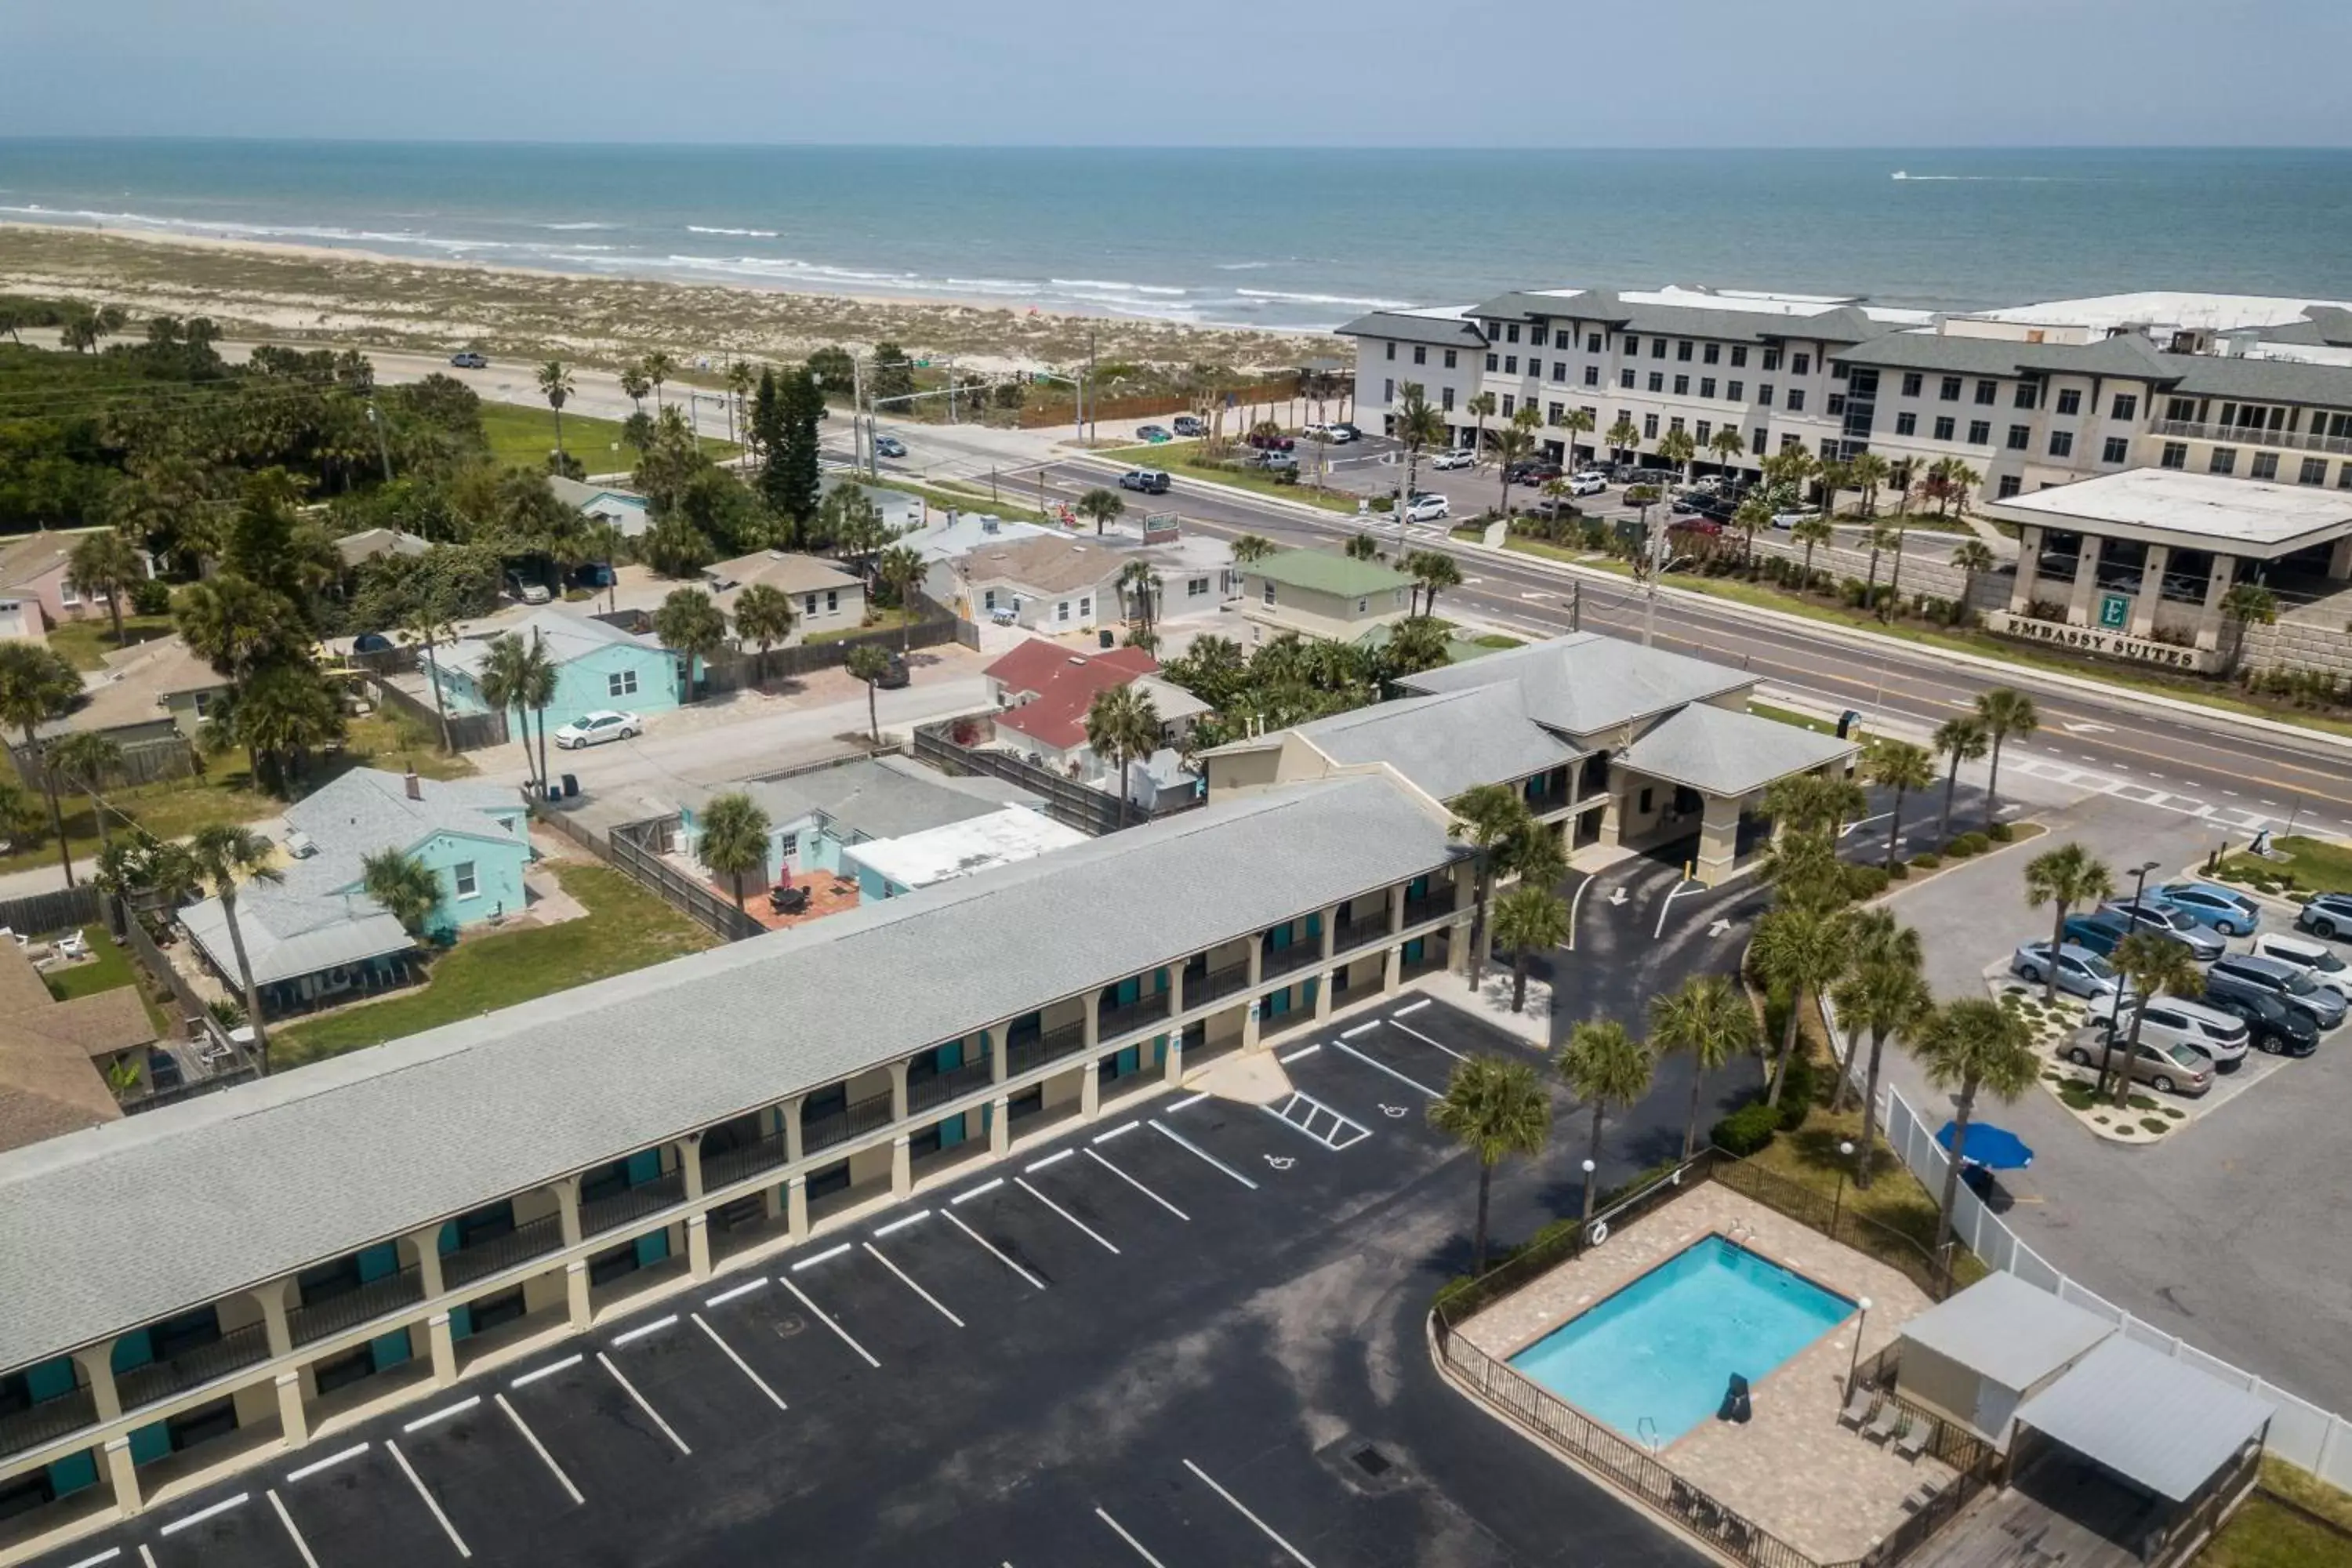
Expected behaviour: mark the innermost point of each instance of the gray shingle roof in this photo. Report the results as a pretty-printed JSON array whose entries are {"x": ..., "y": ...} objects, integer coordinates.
[
  {"x": 2272, "y": 380},
  {"x": 2125, "y": 355},
  {"x": 228, "y": 1190},
  {"x": 1584, "y": 683},
  {"x": 1832, "y": 324},
  {"x": 1728, "y": 753},
  {"x": 2151, "y": 1419},
  {"x": 2007, "y": 1331},
  {"x": 1438, "y": 332},
  {"x": 881, "y": 797},
  {"x": 288, "y": 935},
  {"x": 1446, "y": 743},
  {"x": 567, "y": 636}
]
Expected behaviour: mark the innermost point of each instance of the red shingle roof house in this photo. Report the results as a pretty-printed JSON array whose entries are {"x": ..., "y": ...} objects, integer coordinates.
[{"x": 1046, "y": 691}]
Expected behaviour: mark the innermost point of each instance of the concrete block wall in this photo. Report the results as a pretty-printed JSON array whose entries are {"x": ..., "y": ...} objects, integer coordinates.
[
  {"x": 1927, "y": 568},
  {"x": 2298, "y": 644}
]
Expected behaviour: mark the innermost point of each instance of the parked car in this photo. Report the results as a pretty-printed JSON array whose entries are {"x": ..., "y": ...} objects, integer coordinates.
[
  {"x": 1276, "y": 442},
  {"x": 1155, "y": 434},
  {"x": 894, "y": 674},
  {"x": 2100, "y": 934},
  {"x": 1429, "y": 508},
  {"x": 2314, "y": 959},
  {"x": 1276, "y": 457},
  {"x": 1535, "y": 471},
  {"x": 2219, "y": 1037},
  {"x": 1457, "y": 457},
  {"x": 2281, "y": 981},
  {"x": 1150, "y": 481},
  {"x": 467, "y": 359},
  {"x": 2277, "y": 1029},
  {"x": 890, "y": 447},
  {"x": 2226, "y": 909},
  {"x": 1344, "y": 432},
  {"x": 1186, "y": 425},
  {"x": 2204, "y": 943},
  {"x": 2079, "y": 970},
  {"x": 530, "y": 590},
  {"x": 2168, "y": 1070},
  {"x": 2327, "y": 914},
  {"x": 595, "y": 729},
  {"x": 592, "y": 574},
  {"x": 1789, "y": 520},
  {"x": 372, "y": 642},
  {"x": 1586, "y": 484}
]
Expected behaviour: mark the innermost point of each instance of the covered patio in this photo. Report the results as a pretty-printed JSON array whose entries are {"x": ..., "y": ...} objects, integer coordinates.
[{"x": 1701, "y": 772}]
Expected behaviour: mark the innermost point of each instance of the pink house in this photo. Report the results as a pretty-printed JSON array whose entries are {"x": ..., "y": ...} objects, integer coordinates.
[{"x": 34, "y": 592}]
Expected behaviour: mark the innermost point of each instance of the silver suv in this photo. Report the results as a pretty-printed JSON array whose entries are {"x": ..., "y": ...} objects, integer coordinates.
[
  {"x": 2283, "y": 983},
  {"x": 2203, "y": 942},
  {"x": 2219, "y": 1037}
]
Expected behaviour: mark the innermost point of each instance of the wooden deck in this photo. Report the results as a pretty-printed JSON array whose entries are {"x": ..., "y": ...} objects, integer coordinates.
[{"x": 2062, "y": 1514}]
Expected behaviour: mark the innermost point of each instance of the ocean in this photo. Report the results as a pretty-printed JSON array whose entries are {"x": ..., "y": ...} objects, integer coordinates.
[{"x": 1291, "y": 239}]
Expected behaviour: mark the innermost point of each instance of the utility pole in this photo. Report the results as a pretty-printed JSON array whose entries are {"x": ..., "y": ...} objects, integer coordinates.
[
  {"x": 1652, "y": 538},
  {"x": 1576, "y": 607},
  {"x": 375, "y": 418},
  {"x": 1089, "y": 435}
]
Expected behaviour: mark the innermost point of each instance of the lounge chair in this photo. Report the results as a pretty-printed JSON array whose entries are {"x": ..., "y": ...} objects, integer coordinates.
[
  {"x": 1856, "y": 1408},
  {"x": 1882, "y": 1426},
  {"x": 73, "y": 945},
  {"x": 1912, "y": 1441},
  {"x": 1920, "y": 1496}
]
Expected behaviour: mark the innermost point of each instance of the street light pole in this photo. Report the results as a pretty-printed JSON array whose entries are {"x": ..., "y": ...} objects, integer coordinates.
[
  {"x": 1853, "y": 1365},
  {"x": 1837, "y": 1207},
  {"x": 1588, "y": 1189}
]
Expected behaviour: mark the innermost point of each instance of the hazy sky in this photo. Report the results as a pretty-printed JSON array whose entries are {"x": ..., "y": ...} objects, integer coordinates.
[{"x": 1873, "y": 73}]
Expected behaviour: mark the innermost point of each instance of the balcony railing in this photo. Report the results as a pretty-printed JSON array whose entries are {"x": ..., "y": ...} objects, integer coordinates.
[
  {"x": 32, "y": 1426},
  {"x": 1129, "y": 1017},
  {"x": 862, "y": 1116},
  {"x": 1285, "y": 960},
  {"x": 375, "y": 1299},
  {"x": 1431, "y": 905},
  {"x": 730, "y": 1165},
  {"x": 1217, "y": 984},
  {"x": 1051, "y": 1046},
  {"x": 1362, "y": 932},
  {"x": 952, "y": 1084},
  {"x": 194, "y": 1367},
  {"x": 495, "y": 1253},
  {"x": 2245, "y": 435},
  {"x": 609, "y": 1213}
]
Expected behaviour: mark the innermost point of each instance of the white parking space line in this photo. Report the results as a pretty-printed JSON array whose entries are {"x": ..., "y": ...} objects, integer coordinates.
[
  {"x": 1302, "y": 1051},
  {"x": 908, "y": 1280},
  {"x": 1441, "y": 1045},
  {"x": 994, "y": 1253},
  {"x": 442, "y": 1414},
  {"x": 287, "y": 1519},
  {"x": 1379, "y": 1067},
  {"x": 539, "y": 1449},
  {"x": 432, "y": 1507},
  {"x": 1194, "y": 1098},
  {"x": 1054, "y": 1158},
  {"x": 550, "y": 1370},
  {"x": 656, "y": 1326},
  {"x": 1360, "y": 1029},
  {"x": 651, "y": 1414},
  {"x": 1187, "y": 1144},
  {"x": 1408, "y": 1011},
  {"x": 1138, "y": 1186},
  {"x": 745, "y": 1289},
  {"x": 145, "y": 1556},
  {"x": 1120, "y": 1130},
  {"x": 898, "y": 1224},
  {"x": 741, "y": 1364},
  {"x": 966, "y": 1197},
  {"x": 330, "y": 1462},
  {"x": 202, "y": 1514},
  {"x": 111, "y": 1552},
  {"x": 1120, "y": 1531},
  {"x": 866, "y": 1355},
  {"x": 827, "y": 1256},
  {"x": 1295, "y": 1556},
  {"x": 1023, "y": 1183}
]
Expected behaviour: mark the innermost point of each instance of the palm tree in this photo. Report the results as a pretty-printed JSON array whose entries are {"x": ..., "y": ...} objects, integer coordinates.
[
  {"x": 1512, "y": 445},
  {"x": 2156, "y": 965},
  {"x": 657, "y": 367},
  {"x": 1604, "y": 1065},
  {"x": 36, "y": 685},
  {"x": 2005, "y": 711},
  {"x": 1624, "y": 437},
  {"x": 1417, "y": 426},
  {"x": 1886, "y": 997},
  {"x": 1963, "y": 739},
  {"x": 104, "y": 565},
  {"x": 1576, "y": 422},
  {"x": 1431, "y": 570},
  {"x": 1101, "y": 504},
  {"x": 1676, "y": 446},
  {"x": 1481, "y": 404},
  {"x": 1801, "y": 950},
  {"x": 1815, "y": 802},
  {"x": 1487, "y": 818},
  {"x": 555, "y": 383},
  {"x": 402, "y": 884},
  {"x": 1528, "y": 919},
  {"x": 635, "y": 384},
  {"x": 1728, "y": 448},
  {"x": 1892, "y": 538},
  {"x": 1495, "y": 1109},
  {"x": 1833, "y": 477},
  {"x": 1901, "y": 767},
  {"x": 1804, "y": 868},
  {"x": 224, "y": 854},
  {"x": 503, "y": 677},
  {"x": 688, "y": 622},
  {"x": 2066, "y": 877},
  {"x": 1972, "y": 558},
  {"x": 763, "y": 617},
  {"x": 900, "y": 568},
  {"x": 1809, "y": 532},
  {"x": 734, "y": 838},
  {"x": 1711, "y": 1021},
  {"x": 2246, "y": 605},
  {"x": 536, "y": 692},
  {"x": 1971, "y": 1046},
  {"x": 1252, "y": 547},
  {"x": 870, "y": 664},
  {"x": 1867, "y": 471},
  {"x": 88, "y": 758},
  {"x": 1139, "y": 588},
  {"x": 741, "y": 379},
  {"x": 1122, "y": 725}
]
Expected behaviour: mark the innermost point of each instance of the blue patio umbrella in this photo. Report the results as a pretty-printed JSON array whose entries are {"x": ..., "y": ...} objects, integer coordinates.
[{"x": 1995, "y": 1148}]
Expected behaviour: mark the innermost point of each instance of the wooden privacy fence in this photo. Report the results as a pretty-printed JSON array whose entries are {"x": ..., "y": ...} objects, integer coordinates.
[
  {"x": 1080, "y": 805},
  {"x": 636, "y": 849},
  {"x": 738, "y": 669},
  {"x": 40, "y": 915},
  {"x": 467, "y": 732},
  {"x": 156, "y": 759}
]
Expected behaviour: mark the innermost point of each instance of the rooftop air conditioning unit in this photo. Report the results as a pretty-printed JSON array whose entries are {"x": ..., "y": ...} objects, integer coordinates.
[{"x": 298, "y": 845}]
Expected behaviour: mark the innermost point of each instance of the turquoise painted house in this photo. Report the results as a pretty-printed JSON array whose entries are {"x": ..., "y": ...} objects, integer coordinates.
[
  {"x": 316, "y": 938},
  {"x": 597, "y": 666}
]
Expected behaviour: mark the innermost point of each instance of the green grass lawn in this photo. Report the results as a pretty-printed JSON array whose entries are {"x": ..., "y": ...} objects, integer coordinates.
[
  {"x": 87, "y": 643},
  {"x": 2318, "y": 867},
  {"x": 110, "y": 970},
  {"x": 524, "y": 435},
  {"x": 961, "y": 496},
  {"x": 1175, "y": 458},
  {"x": 625, "y": 928},
  {"x": 2268, "y": 1533},
  {"x": 882, "y": 617},
  {"x": 1788, "y": 716}
]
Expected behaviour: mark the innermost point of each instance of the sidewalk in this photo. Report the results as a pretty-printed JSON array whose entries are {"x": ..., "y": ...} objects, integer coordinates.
[{"x": 47, "y": 878}]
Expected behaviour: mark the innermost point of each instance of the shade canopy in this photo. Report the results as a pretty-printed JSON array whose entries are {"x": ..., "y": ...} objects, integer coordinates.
[{"x": 1994, "y": 1147}]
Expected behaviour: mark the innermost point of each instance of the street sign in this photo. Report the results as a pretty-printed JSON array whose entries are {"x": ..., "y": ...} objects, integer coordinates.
[
  {"x": 2115, "y": 611},
  {"x": 1160, "y": 527}
]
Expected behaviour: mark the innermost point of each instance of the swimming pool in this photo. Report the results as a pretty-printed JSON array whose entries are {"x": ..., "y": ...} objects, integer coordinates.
[{"x": 1665, "y": 1346}]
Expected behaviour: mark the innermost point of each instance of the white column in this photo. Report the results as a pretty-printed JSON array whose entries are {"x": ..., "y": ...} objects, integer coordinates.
[
  {"x": 2028, "y": 570},
  {"x": 2151, "y": 590},
  {"x": 122, "y": 1476},
  {"x": 444, "y": 1347},
  {"x": 2086, "y": 583},
  {"x": 2217, "y": 588},
  {"x": 797, "y": 1218},
  {"x": 999, "y": 1127}
]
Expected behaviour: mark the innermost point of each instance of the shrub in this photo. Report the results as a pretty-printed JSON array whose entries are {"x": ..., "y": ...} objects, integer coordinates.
[
  {"x": 1900, "y": 872},
  {"x": 149, "y": 597},
  {"x": 1928, "y": 860},
  {"x": 1863, "y": 883},
  {"x": 2000, "y": 833},
  {"x": 1965, "y": 845},
  {"x": 1748, "y": 1130},
  {"x": 1799, "y": 1091}
]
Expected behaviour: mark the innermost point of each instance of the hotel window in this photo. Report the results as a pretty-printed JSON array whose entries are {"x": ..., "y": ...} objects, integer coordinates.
[
  {"x": 2117, "y": 450},
  {"x": 1087, "y": 607},
  {"x": 1739, "y": 355},
  {"x": 1701, "y": 431},
  {"x": 1649, "y": 426},
  {"x": 1683, "y": 351},
  {"x": 2225, "y": 461},
  {"x": 621, "y": 683},
  {"x": 2315, "y": 472},
  {"x": 1801, "y": 365},
  {"x": 2010, "y": 485},
  {"x": 1592, "y": 343},
  {"x": 2061, "y": 443},
  {"x": 1837, "y": 370},
  {"x": 1559, "y": 370},
  {"x": 1771, "y": 359},
  {"x": 2265, "y": 465},
  {"x": 1508, "y": 404},
  {"x": 789, "y": 845},
  {"x": 67, "y": 594},
  {"x": 1907, "y": 425},
  {"x": 1268, "y": 595},
  {"x": 1493, "y": 361},
  {"x": 1714, "y": 353},
  {"x": 1445, "y": 398},
  {"x": 1449, "y": 359},
  {"x": 1511, "y": 333},
  {"x": 1388, "y": 390},
  {"x": 1675, "y": 422},
  {"x": 1837, "y": 403},
  {"x": 1944, "y": 426},
  {"x": 1682, "y": 386},
  {"x": 1419, "y": 355},
  {"x": 1632, "y": 345},
  {"x": 2027, "y": 393},
  {"x": 1062, "y": 609},
  {"x": 2021, "y": 438},
  {"x": 1796, "y": 400},
  {"x": 1764, "y": 393},
  {"x": 1657, "y": 381},
  {"x": 1552, "y": 413},
  {"x": 2070, "y": 401},
  {"x": 1625, "y": 378},
  {"x": 2344, "y": 477},
  {"x": 2174, "y": 456},
  {"x": 1986, "y": 391},
  {"x": 1733, "y": 389},
  {"x": 1196, "y": 587},
  {"x": 2127, "y": 405},
  {"x": 1912, "y": 382},
  {"x": 1392, "y": 348},
  {"x": 1563, "y": 338},
  {"x": 1593, "y": 375},
  {"x": 1980, "y": 432},
  {"x": 1510, "y": 364},
  {"x": 1756, "y": 442},
  {"x": 468, "y": 884},
  {"x": 2181, "y": 410},
  {"x": 1706, "y": 386},
  {"x": 1657, "y": 348},
  {"x": 1949, "y": 391}
]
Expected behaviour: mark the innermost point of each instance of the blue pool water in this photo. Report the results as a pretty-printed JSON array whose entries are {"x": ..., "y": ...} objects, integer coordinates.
[{"x": 1665, "y": 1346}]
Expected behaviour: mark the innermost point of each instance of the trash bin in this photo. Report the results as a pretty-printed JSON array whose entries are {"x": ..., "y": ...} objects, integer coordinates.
[
  {"x": 1108, "y": 641},
  {"x": 570, "y": 786}
]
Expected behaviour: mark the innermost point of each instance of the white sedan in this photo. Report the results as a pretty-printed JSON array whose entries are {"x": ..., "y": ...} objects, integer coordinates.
[
  {"x": 1789, "y": 520},
  {"x": 1429, "y": 508},
  {"x": 595, "y": 729},
  {"x": 1460, "y": 457},
  {"x": 1587, "y": 485}
]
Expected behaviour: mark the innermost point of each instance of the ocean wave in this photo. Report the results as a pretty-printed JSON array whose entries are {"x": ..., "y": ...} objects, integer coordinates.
[
  {"x": 733, "y": 233},
  {"x": 1114, "y": 286},
  {"x": 1358, "y": 302},
  {"x": 1246, "y": 266},
  {"x": 567, "y": 227}
]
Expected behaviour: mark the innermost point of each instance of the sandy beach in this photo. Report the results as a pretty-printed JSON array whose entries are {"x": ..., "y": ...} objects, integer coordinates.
[{"x": 284, "y": 292}]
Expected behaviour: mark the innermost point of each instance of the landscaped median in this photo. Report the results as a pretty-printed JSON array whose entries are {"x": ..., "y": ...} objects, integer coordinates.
[{"x": 1182, "y": 457}]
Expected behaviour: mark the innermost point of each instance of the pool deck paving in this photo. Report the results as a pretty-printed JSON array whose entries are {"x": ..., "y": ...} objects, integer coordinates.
[{"x": 1793, "y": 1468}]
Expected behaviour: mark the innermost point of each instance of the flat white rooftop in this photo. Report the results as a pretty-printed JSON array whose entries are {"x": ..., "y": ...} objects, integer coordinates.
[
  {"x": 961, "y": 848},
  {"x": 2161, "y": 308},
  {"x": 2201, "y": 511}
]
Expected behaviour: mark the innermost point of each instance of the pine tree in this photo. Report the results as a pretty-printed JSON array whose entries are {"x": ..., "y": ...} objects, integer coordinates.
[
  {"x": 771, "y": 436},
  {"x": 791, "y": 481}
]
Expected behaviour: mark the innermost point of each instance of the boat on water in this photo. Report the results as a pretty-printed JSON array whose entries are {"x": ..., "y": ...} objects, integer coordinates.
[{"x": 1899, "y": 174}]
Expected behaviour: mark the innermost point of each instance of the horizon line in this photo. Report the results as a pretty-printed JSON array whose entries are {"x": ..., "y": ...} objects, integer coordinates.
[{"x": 8, "y": 138}]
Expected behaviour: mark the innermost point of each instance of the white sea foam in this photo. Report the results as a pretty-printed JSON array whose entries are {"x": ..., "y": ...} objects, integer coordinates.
[
  {"x": 1245, "y": 266},
  {"x": 1349, "y": 299},
  {"x": 567, "y": 227},
  {"x": 733, "y": 233}
]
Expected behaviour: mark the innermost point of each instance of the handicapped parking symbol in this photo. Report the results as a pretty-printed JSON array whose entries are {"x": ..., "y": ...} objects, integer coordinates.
[
  {"x": 1391, "y": 1111},
  {"x": 1280, "y": 1161}
]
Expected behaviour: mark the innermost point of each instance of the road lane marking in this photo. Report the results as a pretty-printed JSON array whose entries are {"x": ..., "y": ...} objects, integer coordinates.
[
  {"x": 1120, "y": 1531},
  {"x": 1295, "y": 1556},
  {"x": 829, "y": 1323},
  {"x": 745, "y": 1289},
  {"x": 898, "y": 1224},
  {"x": 111, "y": 1552},
  {"x": 907, "y": 1281},
  {"x": 550, "y": 1370},
  {"x": 205, "y": 1513},
  {"x": 656, "y": 1326},
  {"x": 1138, "y": 1186},
  {"x": 1023, "y": 1183},
  {"x": 1380, "y": 1066},
  {"x": 1186, "y": 1144},
  {"x": 965, "y": 1198},
  {"x": 409, "y": 1470},
  {"x": 1189, "y": 1099},
  {"x": 307, "y": 1471},
  {"x": 539, "y": 1449},
  {"x": 651, "y": 1414},
  {"x": 993, "y": 1252},
  {"x": 287, "y": 1519},
  {"x": 741, "y": 1364}
]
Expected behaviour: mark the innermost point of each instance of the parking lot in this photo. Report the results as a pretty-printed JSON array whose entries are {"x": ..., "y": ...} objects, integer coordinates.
[{"x": 1189, "y": 1332}]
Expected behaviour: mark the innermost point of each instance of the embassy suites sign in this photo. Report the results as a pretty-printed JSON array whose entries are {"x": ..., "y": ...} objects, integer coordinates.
[{"x": 2099, "y": 640}]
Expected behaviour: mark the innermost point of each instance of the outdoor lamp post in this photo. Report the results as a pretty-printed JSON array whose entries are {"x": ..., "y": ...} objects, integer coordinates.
[
  {"x": 1853, "y": 1365},
  {"x": 1837, "y": 1207},
  {"x": 1588, "y": 1189},
  {"x": 2139, "y": 880}
]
